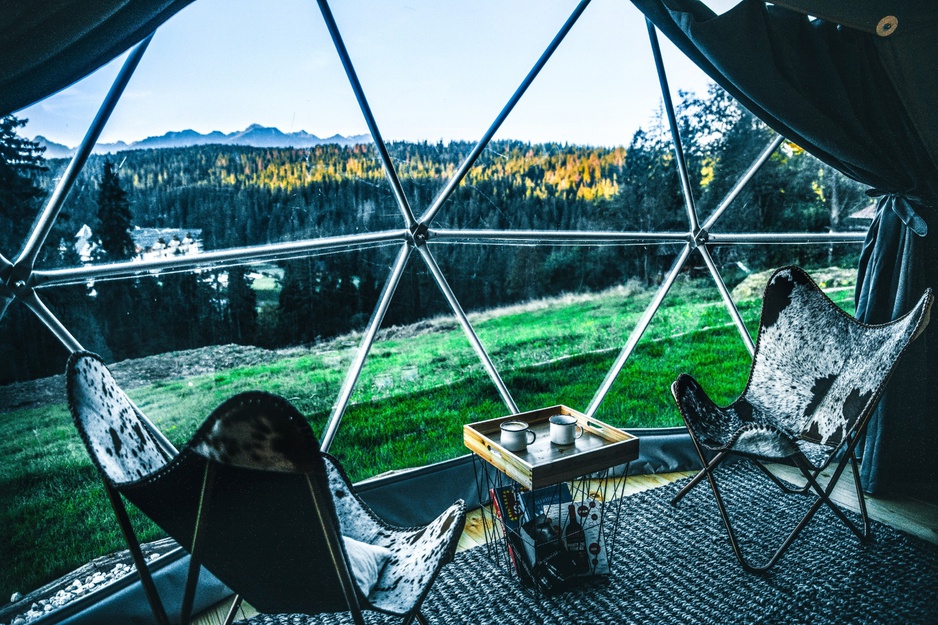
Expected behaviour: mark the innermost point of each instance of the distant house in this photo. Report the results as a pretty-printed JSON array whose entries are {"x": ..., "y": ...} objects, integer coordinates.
[
  {"x": 865, "y": 215},
  {"x": 150, "y": 243},
  {"x": 85, "y": 245},
  {"x": 154, "y": 243}
]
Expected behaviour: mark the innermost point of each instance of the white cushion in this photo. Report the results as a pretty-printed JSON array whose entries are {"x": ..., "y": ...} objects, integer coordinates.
[{"x": 367, "y": 562}]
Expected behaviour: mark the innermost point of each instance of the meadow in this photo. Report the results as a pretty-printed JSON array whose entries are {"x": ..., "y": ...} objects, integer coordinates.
[{"x": 420, "y": 384}]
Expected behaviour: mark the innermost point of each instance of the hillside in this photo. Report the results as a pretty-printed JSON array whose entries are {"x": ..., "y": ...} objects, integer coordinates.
[
  {"x": 420, "y": 384},
  {"x": 237, "y": 196},
  {"x": 135, "y": 373}
]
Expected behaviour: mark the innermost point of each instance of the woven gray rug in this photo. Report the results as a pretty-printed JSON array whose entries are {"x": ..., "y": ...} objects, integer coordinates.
[{"x": 674, "y": 565}]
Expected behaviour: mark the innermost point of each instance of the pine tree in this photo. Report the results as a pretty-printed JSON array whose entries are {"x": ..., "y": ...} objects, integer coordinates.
[
  {"x": 20, "y": 160},
  {"x": 114, "y": 218},
  {"x": 242, "y": 306},
  {"x": 297, "y": 315}
]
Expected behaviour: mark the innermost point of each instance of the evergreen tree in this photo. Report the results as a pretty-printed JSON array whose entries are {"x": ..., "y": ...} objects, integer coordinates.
[
  {"x": 20, "y": 161},
  {"x": 114, "y": 217},
  {"x": 242, "y": 306},
  {"x": 124, "y": 306},
  {"x": 185, "y": 301},
  {"x": 650, "y": 200},
  {"x": 297, "y": 314}
]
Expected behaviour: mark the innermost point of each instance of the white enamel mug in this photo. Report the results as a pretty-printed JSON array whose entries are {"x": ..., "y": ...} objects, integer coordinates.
[
  {"x": 564, "y": 430},
  {"x": 516, "y": 435}
]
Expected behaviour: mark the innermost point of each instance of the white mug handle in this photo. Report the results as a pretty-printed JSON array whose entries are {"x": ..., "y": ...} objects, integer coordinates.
[
  {"x": 533, "y": 436},
  {"x": 578, "y": 430}
]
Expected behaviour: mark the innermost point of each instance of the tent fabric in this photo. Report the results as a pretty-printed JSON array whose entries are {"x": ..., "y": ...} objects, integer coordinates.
[
  {"x": 46, "y": 46},
  {"x": 125, "y": 602},
  {"x": 858, "y": 95}
]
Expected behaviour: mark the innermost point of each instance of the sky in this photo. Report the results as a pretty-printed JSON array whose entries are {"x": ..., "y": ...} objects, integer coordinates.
[{"x": 430, "y": 70}]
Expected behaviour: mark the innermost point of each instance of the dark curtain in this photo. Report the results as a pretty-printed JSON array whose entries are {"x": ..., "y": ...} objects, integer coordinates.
[
  {"x": 860, "y": 97},
  {"x": 47, "y": 45},
  {"x": 895, "y": 267}
]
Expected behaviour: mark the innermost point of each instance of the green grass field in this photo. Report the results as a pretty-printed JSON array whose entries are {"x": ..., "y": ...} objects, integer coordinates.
[{"x": 419, "y": 386}]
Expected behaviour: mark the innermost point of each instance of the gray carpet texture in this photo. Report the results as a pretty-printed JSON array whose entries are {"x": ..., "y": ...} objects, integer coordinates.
[{"x": 674, "y": 565}]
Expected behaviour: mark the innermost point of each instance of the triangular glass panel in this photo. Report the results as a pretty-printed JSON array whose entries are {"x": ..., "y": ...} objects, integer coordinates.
[
  {"x": 568, "y": 139},
  {"x": 455, "y": 66},
  {"x": 231, "y": 145},
  {"x": 179, "y": 344},
  {"x": 542, "y": 311},
  {"x": 56, "y": 125},
  {"x": 796, "y": 193},
  {"x": 691, "y": 332},
  {"x": 722, "y": 141},
  {"x": 420, "y": 382}
]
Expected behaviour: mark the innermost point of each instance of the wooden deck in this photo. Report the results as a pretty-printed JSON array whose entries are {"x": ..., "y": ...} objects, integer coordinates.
[{"x": 913, "y": 516}]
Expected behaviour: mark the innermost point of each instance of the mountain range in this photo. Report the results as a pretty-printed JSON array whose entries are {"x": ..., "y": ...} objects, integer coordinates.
[{"x": 254, "y": 135}]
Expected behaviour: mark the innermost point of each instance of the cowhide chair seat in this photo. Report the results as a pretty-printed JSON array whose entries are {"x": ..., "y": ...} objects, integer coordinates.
[
  {"x": 816, "y": 377},
  {"x": 252, "y": 498}
]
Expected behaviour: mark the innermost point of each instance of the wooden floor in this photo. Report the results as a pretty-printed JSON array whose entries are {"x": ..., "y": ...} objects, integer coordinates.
[
  {"x": 474, "y": 534},
  {"x": 915, "y": 517}
]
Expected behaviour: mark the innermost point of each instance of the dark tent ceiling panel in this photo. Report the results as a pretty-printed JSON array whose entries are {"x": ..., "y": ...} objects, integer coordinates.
[
  {"x": 47, "y": 45},
  {"x": 858, "y": 100},
  {"x": 867, "y": 15},
  {"x": 907, "y": 47}
]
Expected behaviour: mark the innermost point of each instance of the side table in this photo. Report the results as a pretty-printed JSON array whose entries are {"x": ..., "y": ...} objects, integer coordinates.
[{"x": 554, "y": 510}]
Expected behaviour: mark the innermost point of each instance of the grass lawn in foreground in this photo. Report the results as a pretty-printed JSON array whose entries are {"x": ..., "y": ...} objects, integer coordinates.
[{"x": 55, "y": 514}]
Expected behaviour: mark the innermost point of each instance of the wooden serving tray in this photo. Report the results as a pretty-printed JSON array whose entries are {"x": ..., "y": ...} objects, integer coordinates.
[{"x": 542, "y": 463}]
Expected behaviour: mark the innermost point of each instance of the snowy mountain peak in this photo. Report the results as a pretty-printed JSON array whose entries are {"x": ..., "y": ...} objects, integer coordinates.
[{"x": 255, "y": 135}]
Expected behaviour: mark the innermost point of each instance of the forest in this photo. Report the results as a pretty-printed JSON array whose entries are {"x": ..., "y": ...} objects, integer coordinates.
[{"x": 239, "y": 196}]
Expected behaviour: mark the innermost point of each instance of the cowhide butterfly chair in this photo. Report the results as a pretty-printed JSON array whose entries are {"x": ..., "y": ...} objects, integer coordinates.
[
  {"x": 255, "y": 502},
  {"x": 816, "y": 376}
]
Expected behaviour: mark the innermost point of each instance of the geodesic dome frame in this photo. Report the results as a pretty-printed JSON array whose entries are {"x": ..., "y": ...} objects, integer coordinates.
[
  {"x": 37, "y": 66},
  {"x": 416, "y": 235},
  {"x": 47, "y": 53}
]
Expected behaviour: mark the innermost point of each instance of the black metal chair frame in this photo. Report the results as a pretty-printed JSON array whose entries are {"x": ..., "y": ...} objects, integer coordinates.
[
  {"x": 844, "y": 450},
  {"x": 198, "y": 468},
  {"x": 192, "y": 577},
  {"x": 812, "y": 484}
]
